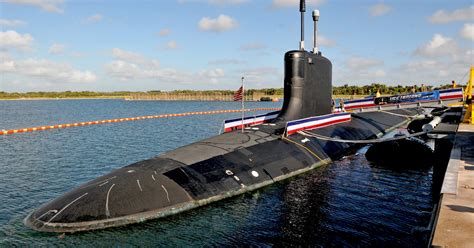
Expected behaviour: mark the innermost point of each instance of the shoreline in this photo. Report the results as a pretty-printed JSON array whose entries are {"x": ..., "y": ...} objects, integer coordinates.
[
  {"x": 62, "y": 98},
  {"x": 125, "y": 98}
]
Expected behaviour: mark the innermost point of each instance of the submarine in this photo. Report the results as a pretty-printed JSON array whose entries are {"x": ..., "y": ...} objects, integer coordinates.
[{"x": 244, "y": 158}]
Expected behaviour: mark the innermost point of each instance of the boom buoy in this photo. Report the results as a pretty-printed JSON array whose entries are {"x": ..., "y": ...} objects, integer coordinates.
[{"x": 88, "y": 123}]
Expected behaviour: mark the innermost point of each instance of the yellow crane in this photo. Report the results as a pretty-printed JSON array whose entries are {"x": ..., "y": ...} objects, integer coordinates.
[{"x": 469, "y": 115}]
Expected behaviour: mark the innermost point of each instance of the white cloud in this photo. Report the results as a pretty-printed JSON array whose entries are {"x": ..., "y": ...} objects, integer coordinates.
[
  {"x": 377, "y": 74},
  {"x": 164, "y": 32},
  {"x": 379, "y": 9},
  {"x": 439, "y": 45},
  {"x": 360, "y": 77},
  {"x": 47, "y": 70},
  {"x": 226, "y": 62},
  {"x": 78, "y": 54},
  {"x": 220, "y": 24},
  {"x": 46, "y": 5},
  {"x": 436, "y": 62},
  {"x": 294, "y": 3},
  {"x": 131, "y": 65},
  {"x": 358, "y": 63},
  {"x": 441, "y": 60},
  {"x": 227, "y": 2},
  {"x": 128, "y": 66},
  {"x": 172, "y": 44},
  {"x": 128, "y": 56},
  {"x": 416, "y": 66},
  {"x": 12, "y": 39},
  {"x": 442, "y": 16},
  {"x": 467, "y": 31},
  {"x": 123, "y": 70},
  {"x": 6, "y": 62},
  {"x": 430, "y": 71},
  {"x": 260, "y": 75},
  {"x": 215, "y": 2},
  {"x": 11, "y": 23},
  {"x": 127, "y": 71},
  {"x": 211, "y": 75},
  {"x": 324, "y": 41},
  {"x": 253, "y": 46},
  {"x": 56, "y": 49},
  {"x": 359, "y": 69},
  {"x": 465, "y": 57},
  {"x": 94, "y": 18}
]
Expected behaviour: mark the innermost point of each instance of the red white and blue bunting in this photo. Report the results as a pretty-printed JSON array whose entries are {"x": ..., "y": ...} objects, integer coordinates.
[
  {"x": 360, "y": 103},
  {"x": 431, "y": 96},
  {"x": 316, "y": 122},
  {"x": 234, "y": 124},
  {"x": 456, "y": 93}
]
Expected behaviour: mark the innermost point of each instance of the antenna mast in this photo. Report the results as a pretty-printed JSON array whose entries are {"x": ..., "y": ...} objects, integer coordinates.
[
  {"x": 302, "y": 10},
  {"x": 315, "y": 34}
]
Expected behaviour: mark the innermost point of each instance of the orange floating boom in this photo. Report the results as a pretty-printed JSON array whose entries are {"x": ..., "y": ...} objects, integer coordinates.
[{"x": 80, "y": 124}]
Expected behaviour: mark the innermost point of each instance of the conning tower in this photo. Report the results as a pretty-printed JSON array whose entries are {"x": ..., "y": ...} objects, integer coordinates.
[{"x": 308, "y": 79}]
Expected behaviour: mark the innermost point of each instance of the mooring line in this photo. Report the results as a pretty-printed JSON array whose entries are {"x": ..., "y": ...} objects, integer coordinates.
[
  {"x": 88, "y": 123},
  {"x": 368, "y": 141},
  {"x": 401, "y": 115}
]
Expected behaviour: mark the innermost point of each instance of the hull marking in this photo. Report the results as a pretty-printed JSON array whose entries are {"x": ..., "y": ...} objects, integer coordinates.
[
  {"x": 54, "y": 216},
  {"x": 107, "y": 213},
  {"x": 166, "y": 191},
  {"x": 139, "y": 186}
]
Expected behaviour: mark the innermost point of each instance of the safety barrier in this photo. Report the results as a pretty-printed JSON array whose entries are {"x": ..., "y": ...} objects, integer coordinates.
[{"x": 88, "y": 123}]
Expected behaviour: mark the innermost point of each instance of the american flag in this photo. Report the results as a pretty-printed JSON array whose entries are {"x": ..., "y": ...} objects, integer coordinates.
[{"x": 239, "y": 94}]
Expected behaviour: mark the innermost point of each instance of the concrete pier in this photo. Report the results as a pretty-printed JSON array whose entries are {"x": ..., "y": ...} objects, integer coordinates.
[{"x": 455, "y": 223}]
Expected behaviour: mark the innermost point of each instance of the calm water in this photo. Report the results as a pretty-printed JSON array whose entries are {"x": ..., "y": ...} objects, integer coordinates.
[{"x": 348, "y": 203}]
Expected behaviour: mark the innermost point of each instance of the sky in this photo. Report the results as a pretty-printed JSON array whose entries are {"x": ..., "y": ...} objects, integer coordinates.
[{"x": 141, "y": 45}]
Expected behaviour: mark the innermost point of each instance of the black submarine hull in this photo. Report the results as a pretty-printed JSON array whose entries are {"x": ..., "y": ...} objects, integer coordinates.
[{"x": 203, "y": 172}]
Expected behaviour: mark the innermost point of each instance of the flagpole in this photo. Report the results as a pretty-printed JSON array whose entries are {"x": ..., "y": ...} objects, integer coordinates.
[{"x": 243, "y": 106}]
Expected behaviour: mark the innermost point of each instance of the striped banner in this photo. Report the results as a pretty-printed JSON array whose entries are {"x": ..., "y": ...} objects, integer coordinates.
[
  {"x": 233, "y": 124},
  {"x": 448, "y": 94},
  {"x": 338, "y": 110},
  {"x": 456, "y": 93},
  {"x": 359, "y": 103},
  {"x": 316, "y": 122}
]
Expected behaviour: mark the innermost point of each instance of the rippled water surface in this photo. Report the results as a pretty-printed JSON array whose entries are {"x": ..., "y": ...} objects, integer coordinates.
[{"x": 347, "y": 203}]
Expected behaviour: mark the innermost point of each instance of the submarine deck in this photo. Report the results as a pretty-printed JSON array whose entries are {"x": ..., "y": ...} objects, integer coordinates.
[{"x": 455, "y": 224}]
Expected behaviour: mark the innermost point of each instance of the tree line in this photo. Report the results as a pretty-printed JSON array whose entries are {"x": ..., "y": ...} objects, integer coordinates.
[
  {"x": 337, "y": 90},
  {"x": 64, "y": 94},
  {"x": 383, "y": 89}
]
